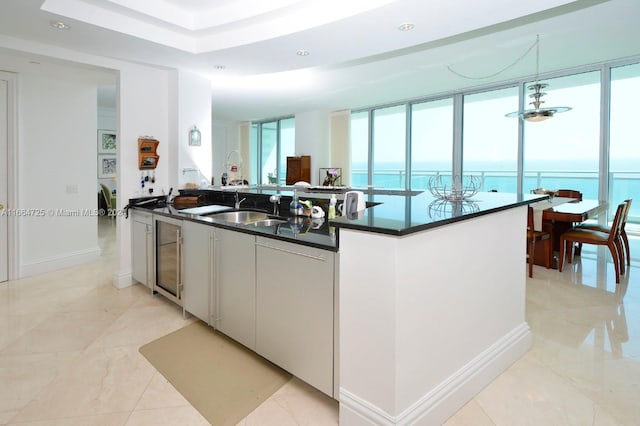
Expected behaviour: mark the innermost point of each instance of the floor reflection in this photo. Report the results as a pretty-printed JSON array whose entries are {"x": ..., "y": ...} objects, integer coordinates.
[{"x": 584, "y": 362}]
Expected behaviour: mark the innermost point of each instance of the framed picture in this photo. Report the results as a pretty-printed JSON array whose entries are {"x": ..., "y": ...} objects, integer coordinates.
[
  {"x": 106, "y": 166},
  {"x": 331, "y": 176},
  {"x": 107, "y": 142}
]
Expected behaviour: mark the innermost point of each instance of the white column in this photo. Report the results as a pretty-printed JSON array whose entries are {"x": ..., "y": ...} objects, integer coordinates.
[{"x": 340, "y": 148}]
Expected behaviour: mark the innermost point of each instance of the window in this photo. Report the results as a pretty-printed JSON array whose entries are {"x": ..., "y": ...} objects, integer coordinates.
[
  {"x": 431, "y": 140},
  {"x": 275, "y": 141},
  {"x": 624, "y": 149},
  {"x": 563, "y": 152},
  {"x": 389, "y": 147},
  {"x": 569, "y": 151},
  {"x": 490, "y": 140}
]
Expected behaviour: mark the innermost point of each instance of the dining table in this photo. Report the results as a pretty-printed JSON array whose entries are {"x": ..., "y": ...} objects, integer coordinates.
[{"x": 556, "y": 216}]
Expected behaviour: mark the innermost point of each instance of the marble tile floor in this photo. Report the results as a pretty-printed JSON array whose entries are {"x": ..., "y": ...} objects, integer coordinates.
[{"x": 69, "y": 354}]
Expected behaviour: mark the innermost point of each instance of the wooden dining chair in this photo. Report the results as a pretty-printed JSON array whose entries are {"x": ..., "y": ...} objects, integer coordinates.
[
  {"x": 610, "y": 239},
  {"x": 532, "y": 237},
  {"x": 577, "y": 195},
  {"x": 569, "y": 193},
  {"x": 623, "y": 232}
]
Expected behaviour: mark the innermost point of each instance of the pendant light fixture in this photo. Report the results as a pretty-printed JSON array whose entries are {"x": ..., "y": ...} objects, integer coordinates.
[{"x": 537, "y": 113}]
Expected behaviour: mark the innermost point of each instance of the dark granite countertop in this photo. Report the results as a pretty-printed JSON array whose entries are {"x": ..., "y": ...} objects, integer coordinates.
[
  {"x": 300, "y": 230},
  {"x": 403, "y": 215},
  {"x": 392, "y": 212}
]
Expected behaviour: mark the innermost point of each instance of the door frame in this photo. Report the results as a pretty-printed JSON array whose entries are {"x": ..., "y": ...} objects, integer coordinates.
[{"x": 12, "y": 172}]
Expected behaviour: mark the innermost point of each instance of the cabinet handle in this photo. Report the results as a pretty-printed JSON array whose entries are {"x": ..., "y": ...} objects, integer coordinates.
[
  {"x": 213, "y": 271},
  {"x": 310, "y": 256},
  {"x": 179, "y": 263}
]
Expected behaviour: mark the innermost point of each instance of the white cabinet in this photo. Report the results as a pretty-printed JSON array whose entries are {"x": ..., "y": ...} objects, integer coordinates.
[
  {"x": 295, "y": 309},
  {"x": 198, "y": 268},
  {"x": 142, "y": 247},
  {"x": 234, "y": 297},
  {"x": 274, "y": 297},
  {"x": 219, "y": 282}
]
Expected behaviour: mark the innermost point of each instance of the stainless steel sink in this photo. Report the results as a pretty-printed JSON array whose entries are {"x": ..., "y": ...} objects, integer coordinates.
[
  {"x": 240, "y": 216},
  {"x": 268, "y": 222}
]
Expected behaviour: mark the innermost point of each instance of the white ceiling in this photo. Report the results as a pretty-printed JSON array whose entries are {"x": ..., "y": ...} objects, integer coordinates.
[{"x": 357, "y": 56}]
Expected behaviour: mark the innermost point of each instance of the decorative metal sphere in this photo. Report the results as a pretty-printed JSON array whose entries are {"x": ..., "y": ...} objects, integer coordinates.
[{"x": 453, "y": 188}]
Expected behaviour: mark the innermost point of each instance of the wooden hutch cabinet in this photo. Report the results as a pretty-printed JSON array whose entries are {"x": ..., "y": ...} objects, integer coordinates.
[{"x": 298, "y": 169}]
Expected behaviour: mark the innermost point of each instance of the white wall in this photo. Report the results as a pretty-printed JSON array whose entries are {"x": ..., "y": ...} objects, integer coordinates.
[
  {"x": 57, "y": 170},
  {"x": 226, "y": 137},
  {"x": 143, "y": 110},
  {"x": 312, "y": 138},
  {"x": 194, "y": 109}
]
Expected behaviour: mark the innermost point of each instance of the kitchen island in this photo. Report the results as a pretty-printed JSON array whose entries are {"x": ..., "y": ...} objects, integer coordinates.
[
  {"x": 432, "y": 305},
  {"x": 429, "y": 298}
]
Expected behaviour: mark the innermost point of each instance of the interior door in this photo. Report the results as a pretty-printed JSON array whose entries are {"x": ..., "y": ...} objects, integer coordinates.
[{"x": 4, "y": 177}]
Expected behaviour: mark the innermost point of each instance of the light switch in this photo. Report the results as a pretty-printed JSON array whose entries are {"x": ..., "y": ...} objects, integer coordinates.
[{"x": 72, "y": 189}]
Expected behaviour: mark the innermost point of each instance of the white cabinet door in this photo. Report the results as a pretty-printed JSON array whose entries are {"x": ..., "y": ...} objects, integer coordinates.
[
  {"x": 235, "y": 290},
  {"x": 197, "y": 273},
  {"x": 294, "y": 309},
  {"x": 142, "y": 247}
]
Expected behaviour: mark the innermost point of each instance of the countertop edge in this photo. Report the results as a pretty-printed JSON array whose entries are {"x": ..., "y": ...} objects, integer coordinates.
[{"x": 344, "y": 223}]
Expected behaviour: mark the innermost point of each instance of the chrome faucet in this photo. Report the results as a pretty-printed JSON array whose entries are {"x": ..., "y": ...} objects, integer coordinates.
[
  {"x": 275, "y": 199},
  {"x": 237, "y": 201}
]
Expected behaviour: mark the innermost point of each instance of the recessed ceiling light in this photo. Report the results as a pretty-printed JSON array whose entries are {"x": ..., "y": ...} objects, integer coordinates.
[
  {"x": 220, "y": 67},
  {"x": 406, "y": 26},
  {"x": 302, "y": 52},
  {"x": 59, "y": 25}
]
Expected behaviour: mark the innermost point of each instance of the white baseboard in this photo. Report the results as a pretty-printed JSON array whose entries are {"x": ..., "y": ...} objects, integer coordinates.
[
  {"x": 440, "y": 403},
  {"x": 123, "y": 279},
  {"x": 61, "y": 261}
]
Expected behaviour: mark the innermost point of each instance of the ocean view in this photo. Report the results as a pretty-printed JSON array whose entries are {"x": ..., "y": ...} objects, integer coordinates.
[{"x": 624, "y": 177}]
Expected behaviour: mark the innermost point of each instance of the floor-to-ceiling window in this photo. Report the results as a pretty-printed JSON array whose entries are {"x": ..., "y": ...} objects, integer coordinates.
[
  {"x": 564, "y": 151},
  {"x": 624, "y": 145},
  {"x": 275, "y": 141},
  {"x": 490, "y": 140},
  {"x": 592, "y": 148},
  {"x": 431, "y": 140},
  {"x": 389, "y": 147}
]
